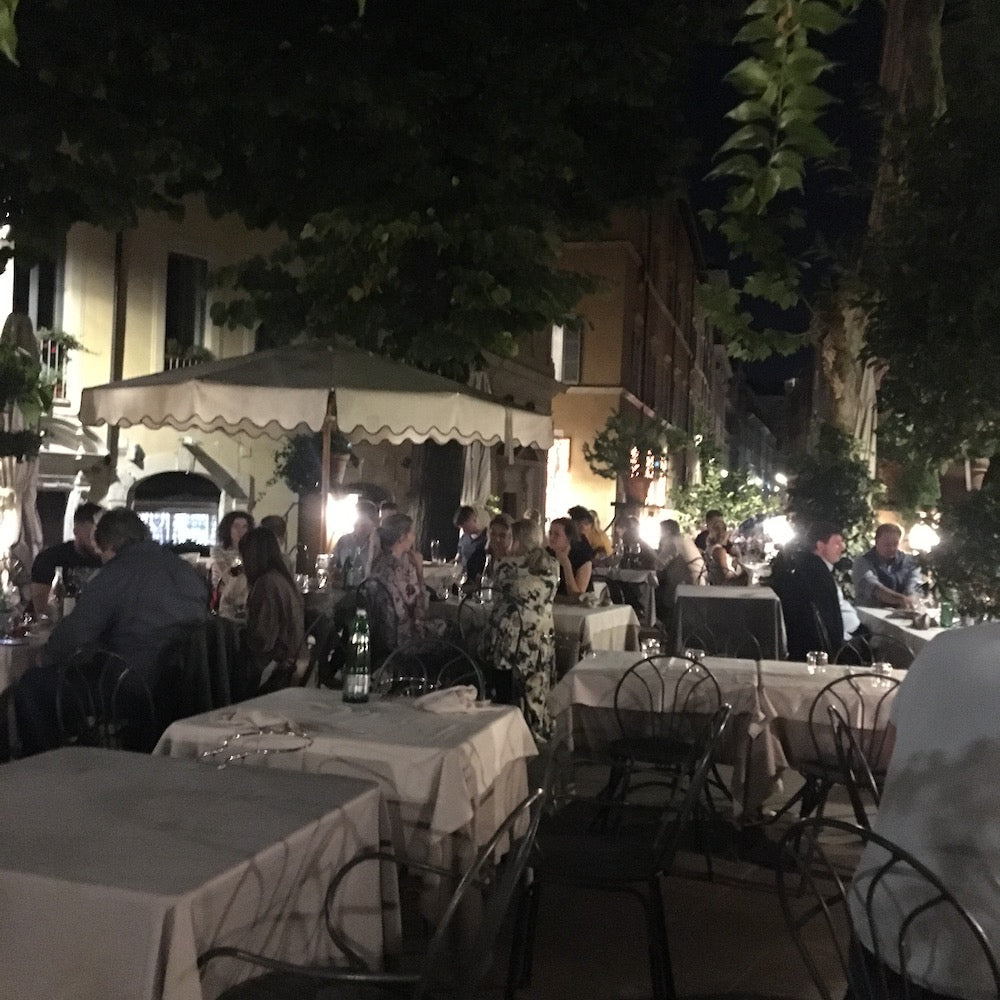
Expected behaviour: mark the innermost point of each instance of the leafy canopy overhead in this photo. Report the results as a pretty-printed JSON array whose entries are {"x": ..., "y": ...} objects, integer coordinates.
[
  {"x": 932, "y": 268},
  {"x": 776, "y": 136},
  {"x": 424, "y": 160}
]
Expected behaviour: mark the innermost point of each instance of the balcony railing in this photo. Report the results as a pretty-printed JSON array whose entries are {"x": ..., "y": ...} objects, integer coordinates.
[
  {"x": 177, "y": 356},
  {"x": 55, "y": 364}
]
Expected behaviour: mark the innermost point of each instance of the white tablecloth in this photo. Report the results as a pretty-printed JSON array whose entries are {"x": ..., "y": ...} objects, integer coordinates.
[
  {"x": 882, "y": 622},
  {"x": 441, "y": 774},
  {"x": 770, "y": 731},
  {"x": 723, "y": 617},
  {"x": 577, "y": 627},
  {"x": 117, "y": 870}
]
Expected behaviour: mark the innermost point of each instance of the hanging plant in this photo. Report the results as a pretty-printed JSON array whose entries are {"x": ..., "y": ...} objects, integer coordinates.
[
  {"x": 298, "y": 463},
  {"x": 22, "y": 383},
  {"x": 633, "y": 446}
]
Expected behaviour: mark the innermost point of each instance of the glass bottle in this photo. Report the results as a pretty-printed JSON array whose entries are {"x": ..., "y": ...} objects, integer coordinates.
[
  {"x": 486, "y": 582},
  {"x": 357, "y": 670}
]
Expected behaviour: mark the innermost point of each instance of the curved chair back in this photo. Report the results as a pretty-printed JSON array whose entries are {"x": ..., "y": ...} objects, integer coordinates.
[
  {"x": 383, "y": 625},
  {"x": 427, "y": 664},
  {"x": 863, "y": 702},
  {"x": 102, "y": 702},
  {"x": 896, "y": 906},
  {"x": 664, "y": 698},
  {"x": 857, "y": 774}
]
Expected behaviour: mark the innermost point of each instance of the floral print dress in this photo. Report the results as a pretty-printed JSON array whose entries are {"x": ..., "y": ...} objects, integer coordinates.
[{"x": 525, "y": 644}]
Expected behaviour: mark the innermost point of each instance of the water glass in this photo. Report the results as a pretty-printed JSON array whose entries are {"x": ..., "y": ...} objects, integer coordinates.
[
  {"x": 693, "y": 653},
  {"x": 884, "y": 669},
  {"x": 436, "y": 551},
  {"x": 816, "y": 661}
]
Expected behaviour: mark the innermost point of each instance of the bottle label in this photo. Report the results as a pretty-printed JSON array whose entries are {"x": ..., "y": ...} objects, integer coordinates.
[{"x": 356, "y": 687}]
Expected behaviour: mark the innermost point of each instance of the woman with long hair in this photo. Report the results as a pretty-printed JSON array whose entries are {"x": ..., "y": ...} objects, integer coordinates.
[
  {"x": 523, "y": 643},
  {"x": 275, "y": 617},
  {"x": 575, "y": 557},
  {"x": 229, "y": 584},
  {"x": 401, "y": 570}
]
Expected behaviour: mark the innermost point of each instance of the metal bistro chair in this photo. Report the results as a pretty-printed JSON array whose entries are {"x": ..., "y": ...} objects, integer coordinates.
[
  {"x": 813, "y": 889},
  {"x": 863, "y": 701},
  {"x": 856, "y": 773},
  {"x": 457, "y": 971},
  {"x": 323, "y": 652},
  {"x": 426, "y": 664},
  {"x": 102, "y": 702},
  {"x": 633, "y": 856},
  {"x": 662, "y": 713}
]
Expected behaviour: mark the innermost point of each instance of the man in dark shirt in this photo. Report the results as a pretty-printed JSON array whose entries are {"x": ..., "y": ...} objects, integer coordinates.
[
  {"x": 132, "y": 608},
  {"x": 80, "y": 552}
]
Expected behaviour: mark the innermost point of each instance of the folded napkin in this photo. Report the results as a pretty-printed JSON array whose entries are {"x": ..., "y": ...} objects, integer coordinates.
[
  {"x": 461, "y": 698},
  {"x": 254, "y": 718}
]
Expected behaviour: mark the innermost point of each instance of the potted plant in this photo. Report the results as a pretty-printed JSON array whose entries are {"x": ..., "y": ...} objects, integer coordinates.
[
  {"x": 634, "y": 449},
  {"x": 22, "y": 386},
  {"x": 298, "y": 463}
]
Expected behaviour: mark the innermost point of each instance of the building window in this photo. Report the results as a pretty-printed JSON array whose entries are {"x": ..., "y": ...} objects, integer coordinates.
[
  {"x": 187, "y": 284},
  {"x": 38, "y": 293},
  {"x": 566, "y": 354}
]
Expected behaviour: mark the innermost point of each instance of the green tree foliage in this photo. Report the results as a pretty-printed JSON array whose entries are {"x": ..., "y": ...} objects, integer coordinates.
[
  {"x": 621, "y": 448},
  {"x": 932, "y": 268},
  {"x": 776, "y": 136},
  {"x": 424, "y": 160},
  {"x": 8, "y": 31},
  {"x": 737, "y": 493},
  {"x": 832, "y": 484}
]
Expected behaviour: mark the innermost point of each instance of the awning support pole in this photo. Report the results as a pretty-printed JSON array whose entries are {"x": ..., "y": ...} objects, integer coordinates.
[{"x": 329, "y": 422}]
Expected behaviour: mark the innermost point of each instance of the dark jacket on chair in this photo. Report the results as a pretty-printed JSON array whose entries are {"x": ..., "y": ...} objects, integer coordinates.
[{"x": 810, "y": 602}]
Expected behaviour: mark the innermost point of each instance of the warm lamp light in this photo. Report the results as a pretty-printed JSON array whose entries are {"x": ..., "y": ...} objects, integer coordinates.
[
  {"x": 341, "y": 513},
  {"x": 778, "y": 529},
  {"x": 922, "y": 537}
]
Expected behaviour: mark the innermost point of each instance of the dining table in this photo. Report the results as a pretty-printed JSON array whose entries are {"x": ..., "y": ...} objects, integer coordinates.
[
  {"x": 117, "y": 870},
  {"x": 17, "y": 655},
  {"x": 898, "y": 625},
  {"x": 770, "y": 699},
  {"x": 746, "y": 621},
  {"x": 579, "y": 627},
  {"x": 449, "y": 778}
]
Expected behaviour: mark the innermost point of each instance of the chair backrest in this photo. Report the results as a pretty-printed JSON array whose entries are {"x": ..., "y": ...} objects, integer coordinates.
[
  {"x": 892, "y": 650},
  {"x": 666, "y": 698},
  {"x": 101, "y": 701},
  {"x": 426, "y": 664},
  {"x": 863, "y": 700},
  {"x": 320, "y": 646},
  {"x": 466, "y": 971},
  {"x": 813, "y": 891},
  {"x": 857, "y": 775},
  {"x": 743, "y": 644},
  {"x": 854, "y": 653}
]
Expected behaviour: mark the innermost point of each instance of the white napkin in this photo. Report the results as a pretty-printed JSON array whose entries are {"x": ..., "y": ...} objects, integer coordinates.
[
  {"x": 461, "y": 698},
  {"x": 254, "y": 718}
]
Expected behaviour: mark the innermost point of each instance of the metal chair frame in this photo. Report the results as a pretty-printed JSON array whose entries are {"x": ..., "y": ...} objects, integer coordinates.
[
  {"x": 464, "y": 971},
  {"x": 813, "y": 892},
  {"x": 855, "y": 770},
  {"x": 426, "y": 664}
]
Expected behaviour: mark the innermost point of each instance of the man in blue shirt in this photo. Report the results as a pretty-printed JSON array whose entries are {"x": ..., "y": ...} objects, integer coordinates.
[{"x": 884, "y": 576}]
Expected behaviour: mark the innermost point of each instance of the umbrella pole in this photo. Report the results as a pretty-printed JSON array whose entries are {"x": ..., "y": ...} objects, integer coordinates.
[{"x": 324, "y": 477}]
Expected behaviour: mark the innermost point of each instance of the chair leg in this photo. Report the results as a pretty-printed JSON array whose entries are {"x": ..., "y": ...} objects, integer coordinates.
[
  {"x": 660, "y": 967},
  {"x": 523, "y": 944}
]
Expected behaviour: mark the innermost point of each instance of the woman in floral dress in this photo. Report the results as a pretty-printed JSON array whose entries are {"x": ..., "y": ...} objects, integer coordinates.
[{"x": 523, "y": 646}]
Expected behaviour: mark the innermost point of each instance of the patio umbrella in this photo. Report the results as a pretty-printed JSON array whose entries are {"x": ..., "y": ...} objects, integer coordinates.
[{"x": 315, "y": 386}]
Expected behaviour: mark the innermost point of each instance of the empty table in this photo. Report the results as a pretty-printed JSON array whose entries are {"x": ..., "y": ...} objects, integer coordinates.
[
  {"x": 721, "y": 620},
  {"x": 118, "y": 869}
]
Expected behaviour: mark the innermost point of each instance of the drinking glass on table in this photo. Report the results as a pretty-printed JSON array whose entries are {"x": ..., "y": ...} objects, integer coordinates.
[
  {"x": 436, "y": 551},
  {"x": 693, "y": 653},
  {"x": 816, "y": 661}
]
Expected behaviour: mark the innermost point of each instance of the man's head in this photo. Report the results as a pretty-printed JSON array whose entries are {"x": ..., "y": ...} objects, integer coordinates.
[
  {"x": 669, "y": 529},
  {"x": 630, "y": 530},
  {"x": 712, "y": 515},
  {"x": 887, "y": 538},
  {"x": 386, "y": 509},
  {"x": 366, "y": 519},
  {"x": 827, "y": 541},
  {"x": 276, "y": 525},
  {"x": 85, "y": 519},
  {"x": 117, "y": 530},
  {"x": 581, "y": 517},
  {"x": 467, "y": 520}
]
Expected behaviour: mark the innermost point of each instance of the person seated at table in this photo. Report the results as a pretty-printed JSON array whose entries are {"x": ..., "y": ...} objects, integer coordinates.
[
  {"x": 400, "y": 568},
  {"x": 884, "y": 577},
  {"x": 471, "y": 537},
  {"x": 636, "y": 553},
  {"x": 275, "y": 614},
  {"x": 229, "y": 584},
  {"x": 524, "y": 645},
  {"x": 588, "y": 528},
  {"x": 498, "y": 542},
  {"x": 938, "y": 803},
  {"x": 575, "y": 557},
  {"x": 817, "y": 615},
  {"x": 79, "y": 553},
  {"x": 681, "y": 561},
  {"x": 701, "y": 539},
  {"x": 358, "y": 549},
  {"x": 723, "y": 564},
  {"x": 130, "y": 608},
  {"x": 386, "y": 508}
]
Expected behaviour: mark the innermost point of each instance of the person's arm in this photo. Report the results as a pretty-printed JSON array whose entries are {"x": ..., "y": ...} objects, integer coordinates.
[
  {"x": 582, "y": 576},
  {"x": 721, "y": 557},
  {"x": 89, "y": 622},
  {"x": 886, "y": 597},
  {"x": 43, "y": 572}
]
